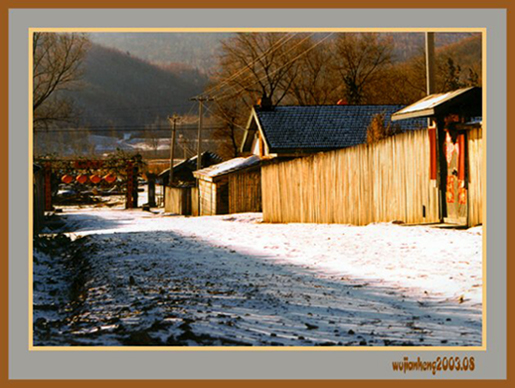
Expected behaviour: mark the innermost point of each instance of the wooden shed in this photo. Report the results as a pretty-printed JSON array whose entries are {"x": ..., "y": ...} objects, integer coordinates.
[
  {"x": 180, "y": 198},
  {"x": 233, "y": 186}
]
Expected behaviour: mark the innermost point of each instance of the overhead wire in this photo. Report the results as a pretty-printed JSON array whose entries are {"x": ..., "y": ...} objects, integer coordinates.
[
  {"x": 248, "y": 66},
  {"x": 241, "y": 89},
  {"x": 267, "y": 75},
  {"x": 227, "y": 120}
]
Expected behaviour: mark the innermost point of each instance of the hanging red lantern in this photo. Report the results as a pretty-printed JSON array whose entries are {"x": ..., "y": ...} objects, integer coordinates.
[
  {"x": 67, "y": 179},
  {"x": 110, "y": 178},
  {"x": 95, "y": 179},
  {"x": 82, "y": 178}
]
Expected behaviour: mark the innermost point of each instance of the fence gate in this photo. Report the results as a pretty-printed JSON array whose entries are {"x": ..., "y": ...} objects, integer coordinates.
[{"x": 83, "y": 172}]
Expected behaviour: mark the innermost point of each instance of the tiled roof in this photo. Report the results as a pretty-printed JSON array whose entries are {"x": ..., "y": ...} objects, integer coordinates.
[
  {"x": 208, "y": 159},
  {"x": 320, "y": 127}
]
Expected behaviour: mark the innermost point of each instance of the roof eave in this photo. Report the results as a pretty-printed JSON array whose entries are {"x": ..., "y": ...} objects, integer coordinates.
[
  {"x": 253, "y": 116},
  {"x": 413, "y": 115}
]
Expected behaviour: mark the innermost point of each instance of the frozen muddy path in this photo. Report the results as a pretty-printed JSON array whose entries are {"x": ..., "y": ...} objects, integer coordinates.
[{"x": 231, "y": 280}]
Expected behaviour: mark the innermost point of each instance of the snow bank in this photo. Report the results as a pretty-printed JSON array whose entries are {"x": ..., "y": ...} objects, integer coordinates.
[{"x": 233, "y": 279}]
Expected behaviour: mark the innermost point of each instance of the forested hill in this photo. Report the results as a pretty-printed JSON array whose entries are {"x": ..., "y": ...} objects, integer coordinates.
[
  {"x": 411, "y": 44},
  {"x": 121, "y": 90},
  {"x": 466, "y": 53},
  {"x": 198, "y": 50}
]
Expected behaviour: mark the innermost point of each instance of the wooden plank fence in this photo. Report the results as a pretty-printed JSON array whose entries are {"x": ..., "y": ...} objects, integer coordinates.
[
  {"x": 382, "y": 182},
  {"x": 475, "y": 171}
]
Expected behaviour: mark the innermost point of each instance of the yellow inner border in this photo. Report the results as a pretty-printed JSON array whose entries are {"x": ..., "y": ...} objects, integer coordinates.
[{"x": 255, "y": 348}]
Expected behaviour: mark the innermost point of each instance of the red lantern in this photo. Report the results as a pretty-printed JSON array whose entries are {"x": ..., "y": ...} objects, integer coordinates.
[
  {"x": 110, "y": 178},
  {"x": 82, "y": 178},
  {"x": 67, "y": 179},
  {"x": 95, "y": 179}
]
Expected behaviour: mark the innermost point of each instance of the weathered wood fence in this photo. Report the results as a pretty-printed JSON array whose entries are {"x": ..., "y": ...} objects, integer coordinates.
[{"x": 383, "y": 182}]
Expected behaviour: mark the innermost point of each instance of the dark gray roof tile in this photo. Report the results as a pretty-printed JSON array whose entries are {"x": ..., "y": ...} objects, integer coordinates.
[{"x": 324, "y": 126}]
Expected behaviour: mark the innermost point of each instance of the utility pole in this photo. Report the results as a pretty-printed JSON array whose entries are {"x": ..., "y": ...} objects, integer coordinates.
[
  {"x": 173, "y": 120},
  {"x": 430, "y": 62},
  {"x": 201, "y": 100}
]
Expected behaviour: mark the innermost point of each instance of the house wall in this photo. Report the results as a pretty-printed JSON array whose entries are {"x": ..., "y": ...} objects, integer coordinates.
[
  {"x": 194, "y": 201},
  {"x": 178, "y": 200},
  {"x": 245, "y": 192},
  {"x": 475, "y": 176},
  {"x": 214, "y": 197},
  {"x": 382, "y": 182}
]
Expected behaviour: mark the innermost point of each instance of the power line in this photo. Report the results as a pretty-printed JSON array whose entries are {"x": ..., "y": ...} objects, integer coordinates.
[
  {"x": 247, "y": 67},
  {"x": 227, "y": 120},
  {"x": 193, "y": 127},
  {"x": 223, "y": 96},
  {"x": 267, "y": 75}
]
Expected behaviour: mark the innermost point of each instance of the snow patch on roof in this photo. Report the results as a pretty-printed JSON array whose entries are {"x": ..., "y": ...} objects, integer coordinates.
[{"x": 228, "y": 166}]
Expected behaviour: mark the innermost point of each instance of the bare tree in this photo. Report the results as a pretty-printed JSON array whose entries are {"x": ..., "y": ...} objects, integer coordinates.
[
  {"x": 258, "y": 64},
  {"x": 361, "y": 57},
  {"x": 231, "y": 116},
  {"x": 312, "y": 81},
  {"x": 56, "y": 67}
]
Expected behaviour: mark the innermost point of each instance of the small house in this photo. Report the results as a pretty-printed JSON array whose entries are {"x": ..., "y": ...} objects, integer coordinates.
[
  {"x": 233, "y": 186},
  {"x": 178, "y": 199}
]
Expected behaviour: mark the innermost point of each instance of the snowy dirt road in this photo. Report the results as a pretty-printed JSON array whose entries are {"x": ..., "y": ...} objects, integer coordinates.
[{"x": 140, "y": 278}]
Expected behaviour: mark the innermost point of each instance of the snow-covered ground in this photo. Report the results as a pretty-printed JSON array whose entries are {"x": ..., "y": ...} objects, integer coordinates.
[{"x": 158, "y": 279}]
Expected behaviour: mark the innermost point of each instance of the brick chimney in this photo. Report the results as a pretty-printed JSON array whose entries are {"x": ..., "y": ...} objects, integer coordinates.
[{"x": 265, "y": 103}]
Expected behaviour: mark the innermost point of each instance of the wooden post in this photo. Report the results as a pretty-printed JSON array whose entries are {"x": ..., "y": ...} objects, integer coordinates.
[
  {"x": 173, "y": 120},
  {"x": 151, "y": 190},
  {"x": 135, "y": 187},
  {"x": 130, "y": 186},
  {"x": 48, "y": 186}
]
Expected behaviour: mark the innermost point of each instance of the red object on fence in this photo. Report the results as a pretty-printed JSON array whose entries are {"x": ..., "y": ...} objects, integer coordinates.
[
  {"x": 82, "y": 178},
  {"x": 110, "y": 178},
  {"x": 461, "y": 157},
  {"x": 67, "y": 179},
  {"x": 432, "y": 152},
  {"x": 95, "y": 178}
]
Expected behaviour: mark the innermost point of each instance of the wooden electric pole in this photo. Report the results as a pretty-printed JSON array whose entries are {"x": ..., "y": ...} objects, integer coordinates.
[
  {"x": 201, "y": 100},
  {"x": 430, "y": 62},
  {"x": 173, "y": 120}
]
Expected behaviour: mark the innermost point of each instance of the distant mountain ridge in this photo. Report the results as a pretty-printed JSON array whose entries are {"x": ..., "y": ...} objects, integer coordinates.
[
  {"x": 122, "y": 90},
  {"x": 199, "y": 50}
]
